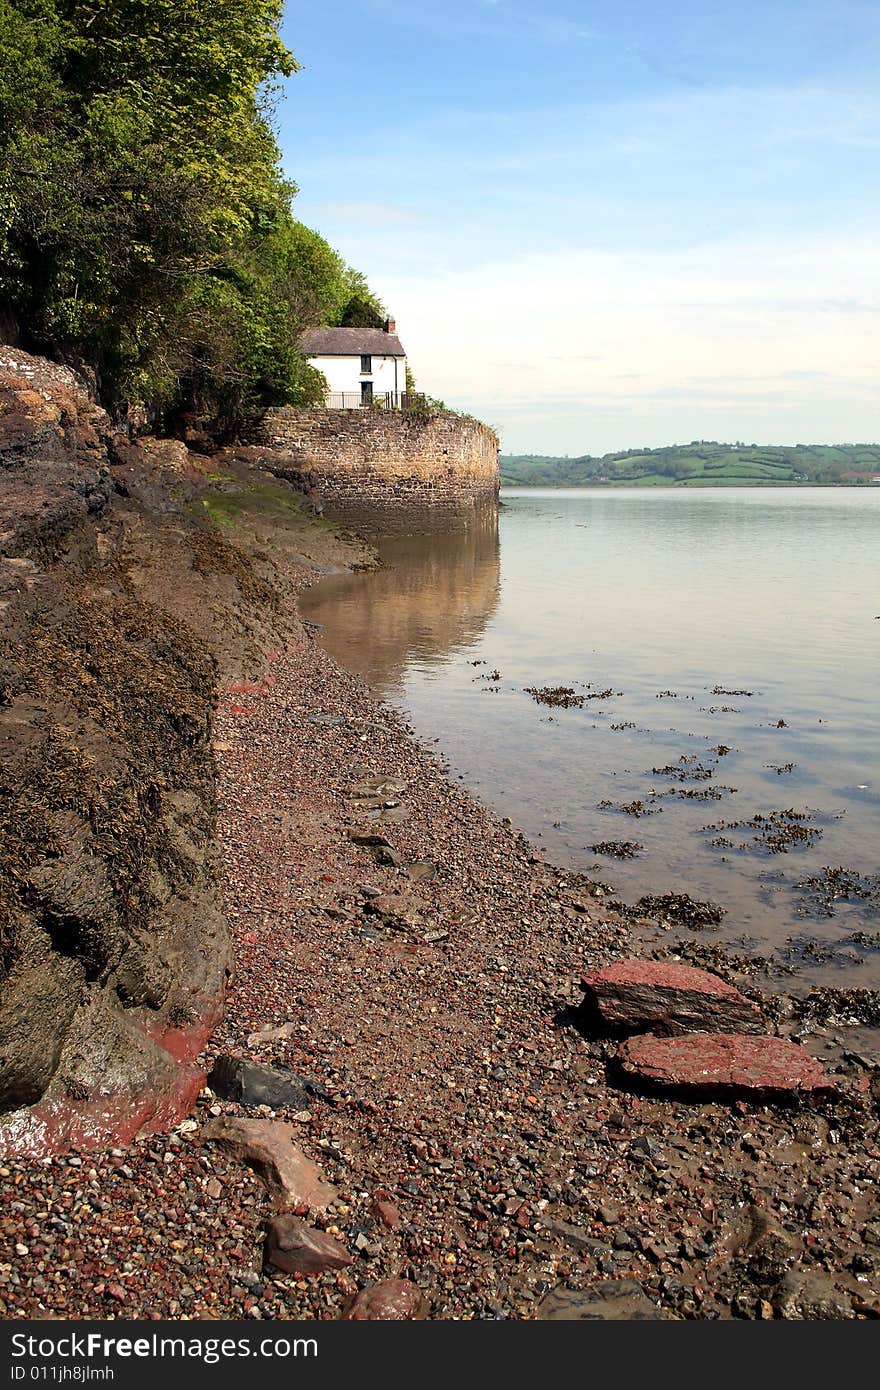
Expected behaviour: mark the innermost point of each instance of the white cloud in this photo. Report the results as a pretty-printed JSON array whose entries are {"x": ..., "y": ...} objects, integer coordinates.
[{"x": 695, "y": 339}]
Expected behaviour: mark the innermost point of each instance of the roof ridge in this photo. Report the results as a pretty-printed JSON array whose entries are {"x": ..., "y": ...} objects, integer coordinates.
[{"x": 344, "y": 342}]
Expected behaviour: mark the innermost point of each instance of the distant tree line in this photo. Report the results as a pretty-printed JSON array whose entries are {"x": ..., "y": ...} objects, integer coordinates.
[
  {"x": 145, "y": 226},
  {"x": 702, "y": 462}
]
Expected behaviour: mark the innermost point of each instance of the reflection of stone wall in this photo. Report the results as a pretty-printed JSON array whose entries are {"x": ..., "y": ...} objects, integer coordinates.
[
  {"x": 390, "y": 470},
  {"x": 436, "y": 592}
]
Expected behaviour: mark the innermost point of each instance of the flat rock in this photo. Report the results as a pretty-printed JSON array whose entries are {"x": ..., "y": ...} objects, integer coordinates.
[
  {"x": 296, "y": 1248},
  {"x": 271, "y": 1034},
  {"x": 268, "y": 1147},
  {"x": 378, "y": 786},
  {"x": 369, "y": 838},
  {"x": 391, "y": 815},
  {"x": 391, "y": 1300},
  {"x": 723, "y": 1065},
  {"x": 421, "y": 871},
  {"x": 808, "y": 1295},
  {"x": 755, "y": 1236},
  {"x": 399, "y": 911},
  {"x": 576, "y": 1236},
  {"x": 611, "y": 1300},
  {"x": 249, "y": 1083},
  {"x": 657, "y": 994}
]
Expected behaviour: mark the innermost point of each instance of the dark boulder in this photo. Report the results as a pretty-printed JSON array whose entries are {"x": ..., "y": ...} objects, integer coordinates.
[{"x": 249, "y": 1083}]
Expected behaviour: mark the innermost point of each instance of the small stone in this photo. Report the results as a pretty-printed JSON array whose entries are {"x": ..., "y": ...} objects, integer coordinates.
[
  {"x": 300, "y": 1249},
  {"x": 421, "y": 871},
  {"x": 398, "y": 910},
  {"x": 368, "y": 838},
  {"x": 388, "y": 1214},
  {"x": 645, "y": 1146},
  {"x": 391, "y": 1300},
  {"x": 270, "y": 1034}
]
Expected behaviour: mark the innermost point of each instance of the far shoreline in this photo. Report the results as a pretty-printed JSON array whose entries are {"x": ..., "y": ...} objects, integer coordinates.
[{"x": 686, "y": 486}]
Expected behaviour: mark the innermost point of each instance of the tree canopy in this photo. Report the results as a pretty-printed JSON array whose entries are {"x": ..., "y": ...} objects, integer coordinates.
[{"x": 145, "y": 224}]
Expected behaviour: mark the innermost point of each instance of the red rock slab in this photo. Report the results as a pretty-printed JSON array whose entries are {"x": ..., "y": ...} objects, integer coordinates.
[
  {"x": 268, "y": 1147},
  {"x": 723, "y": 1065},
  {"x": 391, "y": 1300},
  {"x": 649, "y": 994}
]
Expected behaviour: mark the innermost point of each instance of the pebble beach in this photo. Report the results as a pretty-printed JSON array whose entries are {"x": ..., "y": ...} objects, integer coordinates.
[{"x": 414, "y": 963}]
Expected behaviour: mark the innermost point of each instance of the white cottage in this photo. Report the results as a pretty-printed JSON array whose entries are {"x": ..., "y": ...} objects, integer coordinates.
[{"x": 361, "y": 365}]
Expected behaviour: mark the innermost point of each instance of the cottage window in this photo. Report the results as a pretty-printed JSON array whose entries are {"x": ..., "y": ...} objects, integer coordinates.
[{"x": 366, "y": 362}]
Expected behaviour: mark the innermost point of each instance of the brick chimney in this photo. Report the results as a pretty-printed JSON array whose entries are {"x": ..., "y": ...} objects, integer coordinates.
[{"x": 390, "y": 325}]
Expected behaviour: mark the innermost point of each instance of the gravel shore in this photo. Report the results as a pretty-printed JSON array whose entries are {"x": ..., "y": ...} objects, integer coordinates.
[{"x": 468, "y": 1124}]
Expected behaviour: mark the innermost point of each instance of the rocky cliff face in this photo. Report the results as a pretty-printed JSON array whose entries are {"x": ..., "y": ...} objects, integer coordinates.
[
  {"x": 113, "y": 945},
  {"x": 122, "y": 607}
]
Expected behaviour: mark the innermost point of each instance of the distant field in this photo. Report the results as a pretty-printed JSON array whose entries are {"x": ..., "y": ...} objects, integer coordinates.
[{"x": 702, "y": 464}]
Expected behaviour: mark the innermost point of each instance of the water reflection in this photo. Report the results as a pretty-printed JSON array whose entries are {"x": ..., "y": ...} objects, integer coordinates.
[
  {"x": 742, "y": 620},
  {"x": 435, "y": 596}
]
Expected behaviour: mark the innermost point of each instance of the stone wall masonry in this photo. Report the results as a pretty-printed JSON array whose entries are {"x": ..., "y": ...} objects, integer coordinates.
[{"x": 390, "y": 470}]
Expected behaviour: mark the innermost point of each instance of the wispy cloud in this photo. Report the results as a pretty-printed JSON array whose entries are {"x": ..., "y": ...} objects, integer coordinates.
[{"x": 705, "y": 336}]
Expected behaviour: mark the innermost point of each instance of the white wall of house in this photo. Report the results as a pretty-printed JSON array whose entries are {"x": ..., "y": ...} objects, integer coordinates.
[{"x": 344, "y": 374}]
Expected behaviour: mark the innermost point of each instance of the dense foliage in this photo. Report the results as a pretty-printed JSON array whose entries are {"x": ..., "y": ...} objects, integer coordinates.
[
  {"x": 145, "y": 226},
  {"x": 700, "y": 464}
]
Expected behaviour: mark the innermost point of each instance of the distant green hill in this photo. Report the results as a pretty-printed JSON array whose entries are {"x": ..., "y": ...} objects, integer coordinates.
[{"x": 701, "y": 464}]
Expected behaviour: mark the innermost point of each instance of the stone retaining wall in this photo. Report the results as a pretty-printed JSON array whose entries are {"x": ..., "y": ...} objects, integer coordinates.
[{"x": 389, "y": 470}]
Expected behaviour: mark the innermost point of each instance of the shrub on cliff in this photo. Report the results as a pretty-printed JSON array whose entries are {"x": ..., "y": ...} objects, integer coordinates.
[{"x": 145, "y": 226}]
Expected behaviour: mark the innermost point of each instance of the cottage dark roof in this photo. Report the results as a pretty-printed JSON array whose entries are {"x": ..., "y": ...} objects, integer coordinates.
[{"x": 350, "y": 342}]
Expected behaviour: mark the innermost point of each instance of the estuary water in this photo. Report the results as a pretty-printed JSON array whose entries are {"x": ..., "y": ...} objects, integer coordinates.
[{"x": 721, "y": 650}]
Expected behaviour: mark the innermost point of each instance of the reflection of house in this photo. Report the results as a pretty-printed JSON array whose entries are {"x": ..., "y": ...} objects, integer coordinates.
[{"x": 361, "y": 365}]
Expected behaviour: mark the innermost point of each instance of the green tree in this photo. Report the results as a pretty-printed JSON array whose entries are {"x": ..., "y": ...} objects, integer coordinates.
[
  {"x": 361, "y": 309},
  {"x": 145, "y": 226}
]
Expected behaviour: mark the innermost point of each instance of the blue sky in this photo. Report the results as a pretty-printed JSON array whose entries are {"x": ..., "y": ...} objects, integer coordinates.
[{"x": 602, "y": 225}]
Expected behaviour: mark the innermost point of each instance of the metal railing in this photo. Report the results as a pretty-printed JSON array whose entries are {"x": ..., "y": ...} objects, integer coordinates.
[{"x": 380, "y": 400}]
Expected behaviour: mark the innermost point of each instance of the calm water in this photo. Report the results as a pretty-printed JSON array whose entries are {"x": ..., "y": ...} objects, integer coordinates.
[{"x": 661, "y": 596}]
